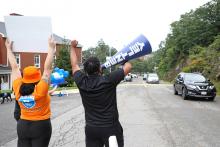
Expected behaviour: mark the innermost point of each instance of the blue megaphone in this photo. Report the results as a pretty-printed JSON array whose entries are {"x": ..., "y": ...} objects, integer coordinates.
[
  {"x": 137, "y": 48},
  {"x": 58, "y": 76}
]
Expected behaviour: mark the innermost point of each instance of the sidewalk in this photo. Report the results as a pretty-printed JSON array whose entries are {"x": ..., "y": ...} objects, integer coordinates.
[{"x": 66, "y": 92}]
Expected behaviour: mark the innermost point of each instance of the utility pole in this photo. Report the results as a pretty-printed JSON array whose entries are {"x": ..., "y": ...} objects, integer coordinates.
[{"x": 110, "y": 69}]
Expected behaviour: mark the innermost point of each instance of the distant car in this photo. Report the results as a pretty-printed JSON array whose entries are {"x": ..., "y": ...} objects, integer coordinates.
[
  {"x": 128, "y": 77},
  {"x": 194, "y": 85},
  {"x": 134, "y": 76},
  {"x": 152, "y": 78},
  {"x": 144, "y": 76}
]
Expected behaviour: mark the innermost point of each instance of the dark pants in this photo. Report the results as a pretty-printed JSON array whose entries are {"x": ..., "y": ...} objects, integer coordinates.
[
  {"x": 34, "y": 133},
  {"x": 98, "y": 136}
]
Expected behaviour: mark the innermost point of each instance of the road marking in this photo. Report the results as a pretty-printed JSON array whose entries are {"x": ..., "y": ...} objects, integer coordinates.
[{"x": 143, "y": 84}]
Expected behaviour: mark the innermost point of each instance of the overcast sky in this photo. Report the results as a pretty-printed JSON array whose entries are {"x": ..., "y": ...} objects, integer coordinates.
[{"x": 117, "y": 22}]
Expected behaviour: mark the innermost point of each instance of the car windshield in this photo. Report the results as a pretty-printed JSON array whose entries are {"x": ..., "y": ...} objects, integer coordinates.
[
  {"x": 194, "y": 78},
  {"x": 153, "y": 75}
]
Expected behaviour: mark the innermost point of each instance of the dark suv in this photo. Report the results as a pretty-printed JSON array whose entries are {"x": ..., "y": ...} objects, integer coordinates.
[{"x": 194, "y": 85}]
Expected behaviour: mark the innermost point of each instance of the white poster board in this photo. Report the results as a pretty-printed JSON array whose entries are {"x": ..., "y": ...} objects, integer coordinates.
[{"x": 30, "y": 34}]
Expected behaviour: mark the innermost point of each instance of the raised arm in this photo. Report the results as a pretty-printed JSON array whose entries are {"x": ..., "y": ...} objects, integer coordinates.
[
  {"x": 11, "y": 58},
  {"x": 49, "y": 59},
  {"x": 127, "y": 68},
  {"x": 73, "y": 57}
]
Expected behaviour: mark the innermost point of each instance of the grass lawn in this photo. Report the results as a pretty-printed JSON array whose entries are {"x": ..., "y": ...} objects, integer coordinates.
[
  {"x": 217, "y": 85},
  {"x": 66, "y": 88},
  {"x": 3, "y": 91},
  {"x": 58, "y": 89}
]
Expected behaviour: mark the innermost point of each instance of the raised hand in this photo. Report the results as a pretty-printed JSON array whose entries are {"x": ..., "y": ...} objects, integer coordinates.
[
  {"x": 51, "y": 43},
  {"x": 8, "y": 44},
  {"x": 11, "y": 58},
  {"x": 74, "y": 43},
  {"x": 73, "y": 56}
]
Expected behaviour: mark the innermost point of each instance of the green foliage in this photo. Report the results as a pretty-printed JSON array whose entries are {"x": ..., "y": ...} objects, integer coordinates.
[
  {"x": 64, "y": 88},
  {"x": 194, "y": 51},
  {"x": 63, "y": 62},
  {"x": 217, "y": 85},
  {"x": 216, "y": 44},
  {"x": 101, "y": 51},
  {"x": 192, "y": 45},
  {"x": 4, "y": 91},
  {"x": 139, "y": 66}
]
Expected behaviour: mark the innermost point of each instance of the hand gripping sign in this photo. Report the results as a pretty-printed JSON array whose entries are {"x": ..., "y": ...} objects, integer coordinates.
[
  {"x": 58, "y": 76},
  {"x": 137, "y": 48}
]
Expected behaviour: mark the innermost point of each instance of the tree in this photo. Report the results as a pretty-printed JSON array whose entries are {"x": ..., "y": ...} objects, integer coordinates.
[
  {"x": 102, "y": 50},
  {"x": 63, "y": 61},
  {"x": 188, "y": 44}
]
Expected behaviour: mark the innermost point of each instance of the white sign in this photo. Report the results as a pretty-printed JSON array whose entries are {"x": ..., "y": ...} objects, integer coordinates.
[
  {"x": 107, "y": 58},
  {"x": 30, "y": 34}
]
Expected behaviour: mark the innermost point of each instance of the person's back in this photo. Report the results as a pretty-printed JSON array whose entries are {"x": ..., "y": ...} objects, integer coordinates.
[
  {"x": 32, "y": 106},
  {"x": 99, "y": 97},
  {"x": 99, "y": 100}
]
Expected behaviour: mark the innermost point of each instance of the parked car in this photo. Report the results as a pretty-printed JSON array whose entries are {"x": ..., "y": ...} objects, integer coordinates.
[
  {"x": 194, "y": 85},
  {"x": 152, "y": 78},
  {"x": 144, "y": 76},
  {"x": 128, "y": 77}
]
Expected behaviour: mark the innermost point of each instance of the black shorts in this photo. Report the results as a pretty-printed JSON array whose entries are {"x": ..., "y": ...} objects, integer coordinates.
[
  {"x": 34, "y": 133},
  {"x": 98, "y": 136}
]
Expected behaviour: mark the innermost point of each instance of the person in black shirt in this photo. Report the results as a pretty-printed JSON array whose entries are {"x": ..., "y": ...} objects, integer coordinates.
[{"x": 98, "y": 95}]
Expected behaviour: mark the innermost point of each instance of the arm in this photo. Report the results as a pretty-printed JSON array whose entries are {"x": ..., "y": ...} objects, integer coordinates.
[
  {"x": 17, "y": 111},
  {"x": 118, "y": 75},
  {"x": 73, "y": 56},
  {"x": 49, "y": 60},
  {"x": 11, "y": 58},
  {"x": 52, "y": 90},
  {"x": 127, "y": 68}
]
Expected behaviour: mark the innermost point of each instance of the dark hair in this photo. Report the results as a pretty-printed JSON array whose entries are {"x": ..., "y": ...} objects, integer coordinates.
[
  {"x": 27, "y": 88},
  {"x": 92, "y": 65}
]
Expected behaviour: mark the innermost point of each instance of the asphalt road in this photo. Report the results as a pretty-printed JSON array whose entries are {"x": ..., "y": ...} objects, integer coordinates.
[{"x": 151, "y": 116}]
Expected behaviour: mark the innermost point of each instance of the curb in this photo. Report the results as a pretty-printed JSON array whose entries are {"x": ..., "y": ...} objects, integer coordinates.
[{"x": 65, "y": 92}]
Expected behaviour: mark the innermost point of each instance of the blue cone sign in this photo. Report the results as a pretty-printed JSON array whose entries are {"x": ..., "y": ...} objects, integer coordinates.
[{"x": 137, "y": 48}]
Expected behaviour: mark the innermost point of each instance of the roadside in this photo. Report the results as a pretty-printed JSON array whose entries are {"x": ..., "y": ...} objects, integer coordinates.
[{"x": 62, "y": 91}]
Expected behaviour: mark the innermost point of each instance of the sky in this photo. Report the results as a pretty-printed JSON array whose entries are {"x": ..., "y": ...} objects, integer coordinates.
[{"x": 117, "y": 22}]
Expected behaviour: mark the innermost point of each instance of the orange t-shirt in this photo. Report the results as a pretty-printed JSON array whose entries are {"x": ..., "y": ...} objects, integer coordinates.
[{"x": 39, "y": 108}]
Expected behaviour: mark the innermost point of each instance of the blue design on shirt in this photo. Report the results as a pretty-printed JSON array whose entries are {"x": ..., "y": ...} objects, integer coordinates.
[{"x": 27, "y": 101}]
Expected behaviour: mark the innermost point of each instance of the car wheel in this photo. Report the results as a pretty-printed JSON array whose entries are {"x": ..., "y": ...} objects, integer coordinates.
[
  {"x": 211, "y": 98},
  {"x": 174, "y": 90},
  {"x": 184, "y": 93}
]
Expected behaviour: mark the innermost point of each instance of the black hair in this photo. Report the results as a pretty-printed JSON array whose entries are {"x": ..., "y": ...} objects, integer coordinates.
[
  {"x": 92, "y": 66},
  {"x": 27, "y": 88}
]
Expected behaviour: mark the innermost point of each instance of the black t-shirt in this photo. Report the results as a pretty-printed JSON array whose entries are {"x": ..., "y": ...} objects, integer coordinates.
[{"x": 99, "y": 97}]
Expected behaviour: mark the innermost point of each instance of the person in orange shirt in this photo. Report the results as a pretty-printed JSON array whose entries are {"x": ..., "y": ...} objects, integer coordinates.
[{"x": 31, "y": 91}]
